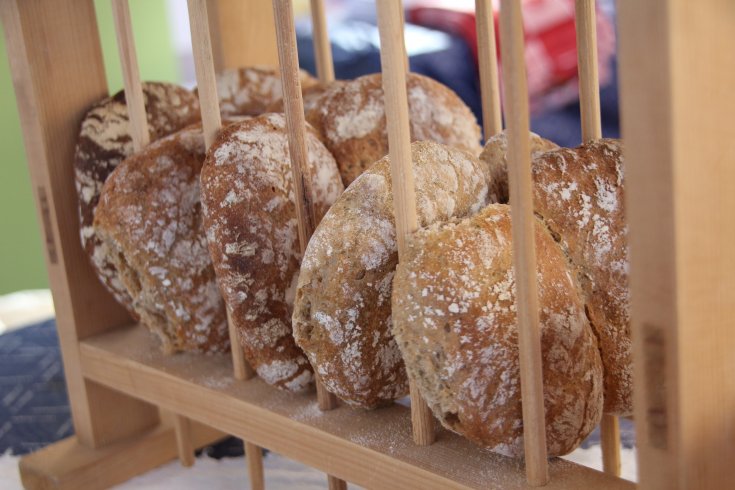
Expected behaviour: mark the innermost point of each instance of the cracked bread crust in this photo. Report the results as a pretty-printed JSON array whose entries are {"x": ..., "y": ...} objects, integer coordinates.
[
  {"x": 342, "y": 312},
  {"x": 250, "y": 91},
  {"x": 104, "y": 141},
  {"x": 149, "y": 217},
  {"x": 250, "y": 218},
  {"x": 454, "y": 319},
  {"x": 579, "y": 194},
  {"x": 352, "y": 121}
]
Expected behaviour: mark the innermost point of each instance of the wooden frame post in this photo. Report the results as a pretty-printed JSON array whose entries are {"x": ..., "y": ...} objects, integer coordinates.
[
  {"x": 677, "y": 79},
  {"x": 52, "y": 98}
]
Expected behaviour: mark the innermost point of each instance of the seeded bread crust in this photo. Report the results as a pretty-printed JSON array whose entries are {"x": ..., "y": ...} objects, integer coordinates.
[
  {"x": 251, "y": 91},
  {"x": 104, "y": 141},
  {"x": 250, "y": 218},
  {"x": 352, "y": 120},
  {"x": 342, "y": 312},
  {"x": 149, "y": 217},
  {"x": 579, "y": 194},
  {"x": 454, "y": 317}
]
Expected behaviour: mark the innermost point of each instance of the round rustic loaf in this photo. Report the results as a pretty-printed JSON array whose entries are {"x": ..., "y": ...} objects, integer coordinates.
[
  {"x": 149, "y": 217},
  {"x": 342, "y": 312},
  {"x": 579, "y": 194},
  {"x": 250, "y": 219},
  {"x": 104, "y": 141},
  {"x": 352, "y": 121},
  {"x": 454, "y": 318},
  {"x": 250, "y": 91},
  {"x": 495, "y": 155}
]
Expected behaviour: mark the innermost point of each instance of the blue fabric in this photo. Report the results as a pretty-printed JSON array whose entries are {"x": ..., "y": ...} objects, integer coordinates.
[{"x": 34, "y": 408}]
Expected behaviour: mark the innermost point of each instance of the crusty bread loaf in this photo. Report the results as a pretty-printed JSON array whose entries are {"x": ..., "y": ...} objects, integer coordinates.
[
  {"x": 454, "y": 318},
  {"x": 342, "y": 312},
  {"x": 313, "y": 98},
  {"x": 579, "y": 194},
  {"x": 352, "y": 120},
  {"x": 250, "y": 218},
  {"x": 104, "y": 142},
  {"x": 495, "y": 155},
  {"x": 149, "y": 217},
  {"x": 250, "y": 91}
]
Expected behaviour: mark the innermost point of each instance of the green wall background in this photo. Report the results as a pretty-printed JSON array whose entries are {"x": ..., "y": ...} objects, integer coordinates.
[{"x": 21, "y": 256}]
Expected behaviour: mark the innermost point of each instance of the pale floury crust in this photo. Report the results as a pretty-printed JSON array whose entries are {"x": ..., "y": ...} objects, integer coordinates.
[
  {"x": 454, "y": 317},
  {"x": 104, "y": 142},
  {"x": 579, "y": 193},
  {"x": 250, "y": 91},
  {"x": 342, "y": 312},
  {"x": 352, "y": 121},
  {"x": 149, "y": 217},
  {"x": 250, "y": 218}
]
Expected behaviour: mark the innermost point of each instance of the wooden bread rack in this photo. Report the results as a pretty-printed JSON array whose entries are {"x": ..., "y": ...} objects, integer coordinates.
[{"x": 134, "y": 408}]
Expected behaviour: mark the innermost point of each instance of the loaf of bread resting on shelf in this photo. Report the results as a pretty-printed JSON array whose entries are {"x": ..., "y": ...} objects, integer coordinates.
[
  {"x": 167, "y": 240},
  {"x": 105, "y": 141},
  {"x": 250, "y": 220}
]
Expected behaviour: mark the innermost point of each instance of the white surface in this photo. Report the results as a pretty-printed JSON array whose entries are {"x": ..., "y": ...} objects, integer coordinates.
[
  {"x": 25, "y": 307},
  {"x": 280, "y": 473}
]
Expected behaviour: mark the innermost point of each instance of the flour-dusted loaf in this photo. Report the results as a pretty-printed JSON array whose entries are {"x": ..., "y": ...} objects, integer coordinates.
[
  {"x": 250, "y": 218},
  {"x": 104, "y": 141},
  {"x": 342, "y": 313},
  {"x": 352, "y": 121},
  {"x": 579, "y": 194},
  {"x": 250, "y": 91},
  {"x": 149, "y": 217},
  {"x": 495, "y": 155},
  {"x": 454, "y": 317}
]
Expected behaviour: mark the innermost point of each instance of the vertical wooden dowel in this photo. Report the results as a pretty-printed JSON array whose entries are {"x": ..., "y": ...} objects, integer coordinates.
[
  {"x": 589, "y": 102},
  {"x": 254, "y": 457},
  {"x": 215, "y": 35},
  {"x": 182, "y": 430},
  {"x": 204, "y": 66},
  {"x": 610, "y": 444},
  {"x": 392, "y": 60},
  {"x": 131, "y": 76},
  {"x": 403, "y": 43},
  {"x": 487, "y": 52},
  {"x": 524, "y": 250},
  {"x": 140, "y": 135},
  {"x": 322, "y": 48},
  {"x": 589, "y": 89},
  {"x": 211, "y": 123},
  {"x": 293, "y": 106}
]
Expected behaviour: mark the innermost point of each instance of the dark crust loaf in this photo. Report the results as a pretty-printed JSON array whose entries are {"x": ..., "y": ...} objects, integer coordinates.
[
  {"x": 579, "y": 194},
  {"x": 342, "y": 312},
  {"x": 352, "y": 120},
  {"x": 250, "y": 218},
  {"x": 454, "y": 317},
  {"x": 149, "y": 216},
  {"x": 495, "y": 155},
  {"x": 104, "y": 142},
  {"x": 251, "y": 91}
]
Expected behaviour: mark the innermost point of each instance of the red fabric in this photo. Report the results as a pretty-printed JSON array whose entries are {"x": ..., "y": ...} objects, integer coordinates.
[{"x": 550, "y": 38}]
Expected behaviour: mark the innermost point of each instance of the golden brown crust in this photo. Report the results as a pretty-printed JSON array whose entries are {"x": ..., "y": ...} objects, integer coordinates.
[
  {"x": 250, "y": 218},
  {"x": 454, "y": 319},
  {"x": 579, "y": 194},
  {"x": 250, "y": 91},
  {"x": 342, "y": 311},
  {"x": 352, "y": 120},
  {"x": 104, "y": 141},
  {"x": 495, "y": 155},
  {"x": 149, "y": 216}
]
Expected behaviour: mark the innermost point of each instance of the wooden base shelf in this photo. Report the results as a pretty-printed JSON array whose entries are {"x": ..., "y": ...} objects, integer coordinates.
[
  {"x": 68, "y": 464},
  {"x": 370, "y": 448}
]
